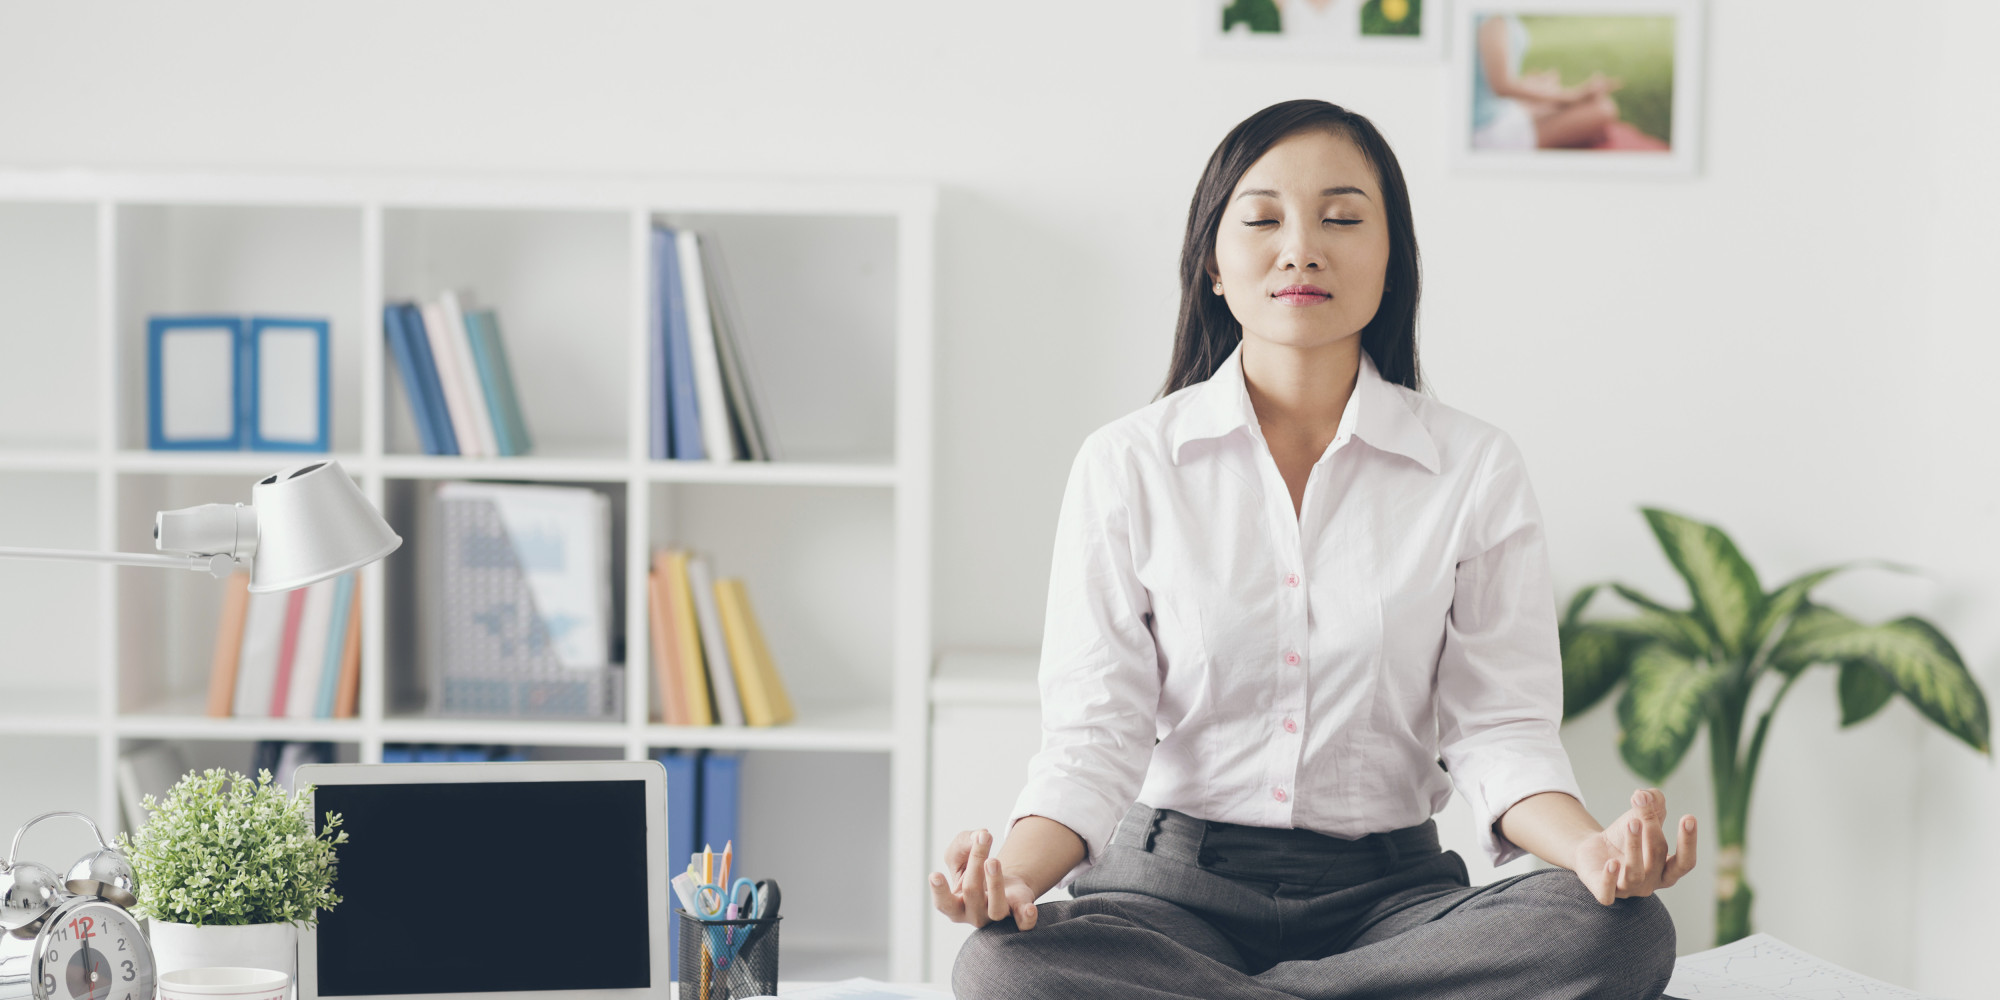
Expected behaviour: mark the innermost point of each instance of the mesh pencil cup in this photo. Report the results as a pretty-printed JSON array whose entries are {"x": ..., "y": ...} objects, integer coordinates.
[{"x": 751, "y": 971}]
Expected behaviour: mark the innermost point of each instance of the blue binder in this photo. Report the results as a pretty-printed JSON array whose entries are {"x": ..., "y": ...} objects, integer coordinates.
[
  {"x": 720, "y": 773},
  {"x": 685, "y": 417},
  {"x": 658, "y": 415},
  {"x": 683, "y": 817},
  {"x": 414, "y": 389},
  {"x": 420, "y": 349}
]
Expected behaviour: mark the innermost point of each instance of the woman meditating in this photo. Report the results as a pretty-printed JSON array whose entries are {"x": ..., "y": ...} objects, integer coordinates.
[{"x": 1295, "y": 602}]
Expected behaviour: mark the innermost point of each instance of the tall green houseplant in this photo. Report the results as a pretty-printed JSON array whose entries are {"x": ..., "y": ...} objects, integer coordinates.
[{"x": 1683, "y": 669}]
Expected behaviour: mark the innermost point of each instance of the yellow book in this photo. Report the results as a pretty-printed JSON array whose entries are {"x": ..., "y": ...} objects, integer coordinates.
[
  {"x": 764, "y": 699},
  {"x": 672, "y": 565}
]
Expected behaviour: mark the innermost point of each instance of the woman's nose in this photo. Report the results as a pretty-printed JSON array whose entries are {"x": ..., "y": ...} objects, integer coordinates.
[{"x": 1300, "y": 252}]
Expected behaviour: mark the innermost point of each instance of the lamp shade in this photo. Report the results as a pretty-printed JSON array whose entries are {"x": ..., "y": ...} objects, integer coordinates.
[{"x": 312, "y": 524}]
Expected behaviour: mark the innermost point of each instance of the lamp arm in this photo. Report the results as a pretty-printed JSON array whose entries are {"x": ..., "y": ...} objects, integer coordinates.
[{"x": 214, "y": 565}]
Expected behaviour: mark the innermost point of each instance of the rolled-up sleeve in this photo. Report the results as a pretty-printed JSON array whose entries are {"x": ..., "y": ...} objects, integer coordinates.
[
  {"x": 1099, "y": 673},
  {"x": 1499, "y": 676}
]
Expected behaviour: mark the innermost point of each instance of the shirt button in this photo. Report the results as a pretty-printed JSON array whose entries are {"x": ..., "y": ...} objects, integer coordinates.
[
  {"x": 1291, "y": 727},
  {"x": 1278, "y": 793},
  {"x": 1291, "y": 579},
  {"x": 1291, "y": 659}
]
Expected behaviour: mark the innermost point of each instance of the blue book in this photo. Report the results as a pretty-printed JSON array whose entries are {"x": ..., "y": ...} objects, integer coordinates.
[
  {"x": 683, "y": 801},
  {"x": 427, "y": 373},
  {"x": 496, "y": 378},
  {"x": 398, "y": 753},
  {"x": 719, "y": 797},
  {"x": 683, "y": 417},
  {"x": 432, "y": 753},
  {"x": 659, "y": 426},
  {"x": 413, "y": 383},
  {"x": 336, "y": 646},
  {"x": 467, "y": 754}
]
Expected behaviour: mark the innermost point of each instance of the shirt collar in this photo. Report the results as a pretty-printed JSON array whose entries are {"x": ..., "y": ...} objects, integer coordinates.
[{"x": 1376, "y": 413}]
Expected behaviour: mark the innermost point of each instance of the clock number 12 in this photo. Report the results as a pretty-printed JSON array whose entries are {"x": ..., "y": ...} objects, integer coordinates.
[{"x": 81, "y": 927}]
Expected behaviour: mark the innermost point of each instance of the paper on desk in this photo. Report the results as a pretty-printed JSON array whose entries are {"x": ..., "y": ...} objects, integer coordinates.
[
  {"x": 863, "y": 988},
  {"x": 1761, "y": 967}
]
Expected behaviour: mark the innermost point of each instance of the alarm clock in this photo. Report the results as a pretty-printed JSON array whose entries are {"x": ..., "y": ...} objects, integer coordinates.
[{"x": 72, "y": 939}]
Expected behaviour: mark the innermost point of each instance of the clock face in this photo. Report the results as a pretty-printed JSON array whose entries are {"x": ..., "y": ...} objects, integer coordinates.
[{"x": 92, "y": 950}]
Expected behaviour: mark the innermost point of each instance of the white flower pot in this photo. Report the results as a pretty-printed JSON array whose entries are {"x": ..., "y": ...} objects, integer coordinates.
[{"x": 247, "y": 946}]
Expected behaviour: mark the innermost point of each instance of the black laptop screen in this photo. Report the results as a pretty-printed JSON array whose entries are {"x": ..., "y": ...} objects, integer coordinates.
[{"x": 486, "y": 887}]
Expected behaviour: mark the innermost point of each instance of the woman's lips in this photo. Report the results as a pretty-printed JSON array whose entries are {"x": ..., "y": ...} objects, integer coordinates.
[{"x": 1302, "y": 295}]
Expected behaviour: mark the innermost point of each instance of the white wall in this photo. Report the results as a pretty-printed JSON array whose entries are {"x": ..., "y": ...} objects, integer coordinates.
[{"x": 1789, "y": 344}]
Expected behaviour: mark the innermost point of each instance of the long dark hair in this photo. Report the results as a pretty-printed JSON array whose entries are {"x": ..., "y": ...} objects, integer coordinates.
[{"x": 1207, "y": 331}]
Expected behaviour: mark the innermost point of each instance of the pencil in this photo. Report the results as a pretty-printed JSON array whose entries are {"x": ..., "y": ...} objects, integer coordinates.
[
  {"x": 727, "y": 849},
  {"x": 707, "y": 864}
]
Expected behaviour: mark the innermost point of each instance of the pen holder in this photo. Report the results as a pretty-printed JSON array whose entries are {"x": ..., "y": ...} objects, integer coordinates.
[{"x": 752, "y": 971}]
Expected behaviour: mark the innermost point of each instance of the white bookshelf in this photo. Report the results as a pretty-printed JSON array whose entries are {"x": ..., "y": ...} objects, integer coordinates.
[{"x": 833, "y": 280}]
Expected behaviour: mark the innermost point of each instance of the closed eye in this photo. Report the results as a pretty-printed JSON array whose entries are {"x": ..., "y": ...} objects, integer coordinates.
[{"x": 1273, "y": 222}]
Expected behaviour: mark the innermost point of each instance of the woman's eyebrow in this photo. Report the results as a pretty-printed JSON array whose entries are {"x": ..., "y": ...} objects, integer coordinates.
[{"x": 1328, "y": 193}]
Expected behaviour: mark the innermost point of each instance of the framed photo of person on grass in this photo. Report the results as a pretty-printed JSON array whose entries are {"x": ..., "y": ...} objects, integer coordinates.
[
  {"x": 1603, "y": 86},
  {"x": 1321, "y": 28}
]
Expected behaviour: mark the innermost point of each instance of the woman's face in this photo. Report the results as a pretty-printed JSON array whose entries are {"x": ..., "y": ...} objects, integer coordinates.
[{"x": 1304, "y": 243}]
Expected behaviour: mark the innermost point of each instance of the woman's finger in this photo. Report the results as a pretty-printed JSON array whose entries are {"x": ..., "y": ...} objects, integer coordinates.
[
  {"x": 955, "y": 854},
  {"x": 947, "y": 902},
  {"x": 996, "y": 894},
  {"x": 1683, "y": 860},
  {"x": 1652, "y": 849},
  {"x": 1604, "y": 887},
  {"x": 1024, "y": 906},
  {"x": 973, "y": 886}
]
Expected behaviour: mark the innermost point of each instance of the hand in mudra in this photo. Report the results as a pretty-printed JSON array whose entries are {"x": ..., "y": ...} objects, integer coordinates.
[
  {"x": 1629, "y": 858},
  {"x": 984, "y": 892}
]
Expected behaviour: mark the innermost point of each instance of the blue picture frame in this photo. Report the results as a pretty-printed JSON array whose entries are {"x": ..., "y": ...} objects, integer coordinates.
[
  {"x": 159, "y": 436},
  {"x": 255, "y": 406}
]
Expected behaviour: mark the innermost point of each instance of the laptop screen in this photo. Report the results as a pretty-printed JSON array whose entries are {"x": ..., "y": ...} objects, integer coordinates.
[{"x": 486, "y": 887}]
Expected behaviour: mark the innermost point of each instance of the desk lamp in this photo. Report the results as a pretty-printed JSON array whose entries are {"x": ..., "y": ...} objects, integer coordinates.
[{"x": 303, "y": 525}]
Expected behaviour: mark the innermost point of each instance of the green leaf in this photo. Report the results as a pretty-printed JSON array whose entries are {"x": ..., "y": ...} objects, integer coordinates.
[
  {"x": 1576, "y": 603},
  {"x": 1813, "y": 624},
  {"x": 1676, "y": 628},
  {"x": 1726, "y": 593},
  {"x": 1661, "y": 709},
  {"x": 1594, "y": 660},
  {"x": 1793, "y": 595},
  {"x": 1922, "y": 665},
  {"x": 1863, "y": 691}
]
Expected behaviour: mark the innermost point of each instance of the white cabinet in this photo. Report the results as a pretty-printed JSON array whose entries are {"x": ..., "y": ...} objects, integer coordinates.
[{"x": 834, "y": 285}]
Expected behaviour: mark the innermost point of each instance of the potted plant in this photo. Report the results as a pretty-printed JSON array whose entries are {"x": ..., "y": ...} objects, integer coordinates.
[
  {"x": 228, "y": 867},
  {"x": 1686, "y": 668}
]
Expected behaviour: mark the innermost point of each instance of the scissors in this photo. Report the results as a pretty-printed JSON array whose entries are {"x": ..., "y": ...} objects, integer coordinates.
[{"x": 711, "y": 903}]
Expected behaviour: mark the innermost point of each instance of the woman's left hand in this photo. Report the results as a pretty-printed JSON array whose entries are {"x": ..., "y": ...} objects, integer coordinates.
[{"x": 1629, "y": 858}]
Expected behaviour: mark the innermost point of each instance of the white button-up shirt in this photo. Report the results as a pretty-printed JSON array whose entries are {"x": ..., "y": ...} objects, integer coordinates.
[{"x": 1208, "y": 651}]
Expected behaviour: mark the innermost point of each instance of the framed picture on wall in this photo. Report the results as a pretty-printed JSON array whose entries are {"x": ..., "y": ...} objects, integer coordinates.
[
  {"x": 1321, "y": 28},
  {"x": 1603, "y": 86}
]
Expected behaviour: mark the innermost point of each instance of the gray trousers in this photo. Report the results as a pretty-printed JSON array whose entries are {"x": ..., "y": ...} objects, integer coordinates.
[{"x": 1182, "y": 907}]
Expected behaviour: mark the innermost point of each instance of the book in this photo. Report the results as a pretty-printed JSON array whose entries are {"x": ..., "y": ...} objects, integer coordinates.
[
  {"x": 496, "y": 376},
  {"x": 721, "y": 676},
  {"x": 415, "y": 390},
  {"x": 453, "y": 378},
  {"x": 659, "y": 425},
  {"x": 257, "y": 668},
  {"x": 1761, "y": 967},
  {"x": 709, "y": 400},
  {"x": 753, "y": 441},
  {"x": 721, "y": 773},
  {"x": 764, "y": 700},
  {"x": 228, "y": 645},
  {"x": 336, "y": 644},
  {"x": 672, "y": 565},
  {"x": 147, "y": 770},
  {"x": 684, "y": 410},
  {"x": 288, "y": 648},
  {"x": 347, "y": 698},
  {"x": 683, "y": 819},
  {"x": 427, "y": 375},
  {"x": 452, "y": 309},
  {"x": 309, "y": 657},
  {"x": 666, "y": 651}
]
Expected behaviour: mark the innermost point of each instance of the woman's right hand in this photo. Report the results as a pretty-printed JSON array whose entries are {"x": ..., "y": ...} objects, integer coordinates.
[{"x": 984, "y": 892}]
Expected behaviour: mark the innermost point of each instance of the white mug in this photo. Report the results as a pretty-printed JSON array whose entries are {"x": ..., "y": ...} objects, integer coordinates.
[{"x": 225, "y": 983}]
